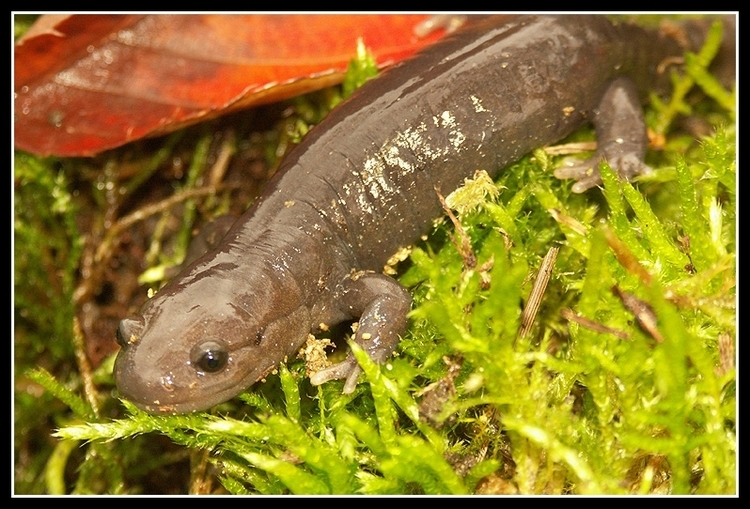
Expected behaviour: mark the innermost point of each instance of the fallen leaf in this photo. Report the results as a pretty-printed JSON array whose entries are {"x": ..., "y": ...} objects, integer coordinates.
[{"x": 87, "y": 83}]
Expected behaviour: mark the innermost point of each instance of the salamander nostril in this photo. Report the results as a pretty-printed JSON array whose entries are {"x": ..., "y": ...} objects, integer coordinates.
[{"x": 128, "y": 331}]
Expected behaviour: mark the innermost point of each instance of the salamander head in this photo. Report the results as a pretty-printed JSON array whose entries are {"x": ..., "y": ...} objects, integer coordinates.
[{"x": 199, "y": 344}]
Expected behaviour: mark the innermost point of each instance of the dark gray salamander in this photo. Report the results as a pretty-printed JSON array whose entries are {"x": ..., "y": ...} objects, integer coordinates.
[{"x": 309, "y": 252}]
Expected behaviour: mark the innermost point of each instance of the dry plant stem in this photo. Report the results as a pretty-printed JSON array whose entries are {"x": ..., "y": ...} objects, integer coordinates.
[
  {"x": 145, "y": 212},
  {"x": 104, "y": 250},
  {"x": 200, "y": 478},
  {"x": 537, "y": 291},
  {"x": 626, "y": 258},
  {"x": 643, "y": 313},
  {"x": 572, "y": 316},
  {"x": 84, "y": 367},
  {"x": 91, "y": 272},
  {"x": 577, "y": 147},
  {"x": 462, "y": 243}
]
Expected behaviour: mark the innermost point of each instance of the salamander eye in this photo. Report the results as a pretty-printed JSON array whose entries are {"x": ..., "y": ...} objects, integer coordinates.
[{"x": 210, "y": 356}]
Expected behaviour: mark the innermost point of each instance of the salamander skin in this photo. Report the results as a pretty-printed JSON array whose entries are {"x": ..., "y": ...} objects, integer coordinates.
[{"x": 310, "y": 251}]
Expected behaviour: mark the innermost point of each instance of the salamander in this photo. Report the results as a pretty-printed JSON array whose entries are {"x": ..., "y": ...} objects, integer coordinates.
[{"x": 309, "y": 252}]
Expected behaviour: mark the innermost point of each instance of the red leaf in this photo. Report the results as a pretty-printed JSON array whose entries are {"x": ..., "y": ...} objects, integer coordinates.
[{"x": 95, "y": 82}]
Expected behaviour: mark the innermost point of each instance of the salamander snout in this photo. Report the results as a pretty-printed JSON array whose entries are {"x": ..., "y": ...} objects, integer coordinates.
[{"x": 128, "y": 331}]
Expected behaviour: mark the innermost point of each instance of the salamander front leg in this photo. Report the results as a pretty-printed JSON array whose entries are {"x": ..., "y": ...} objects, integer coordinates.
[
  {"x": 381, "y": 304},
  {"x": 621, "y": 138}
]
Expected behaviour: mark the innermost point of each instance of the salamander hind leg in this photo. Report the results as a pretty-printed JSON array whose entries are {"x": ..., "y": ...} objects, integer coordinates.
[
  {"x": 381, "y": 304},
  {"x": 621, "y": 138}
]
